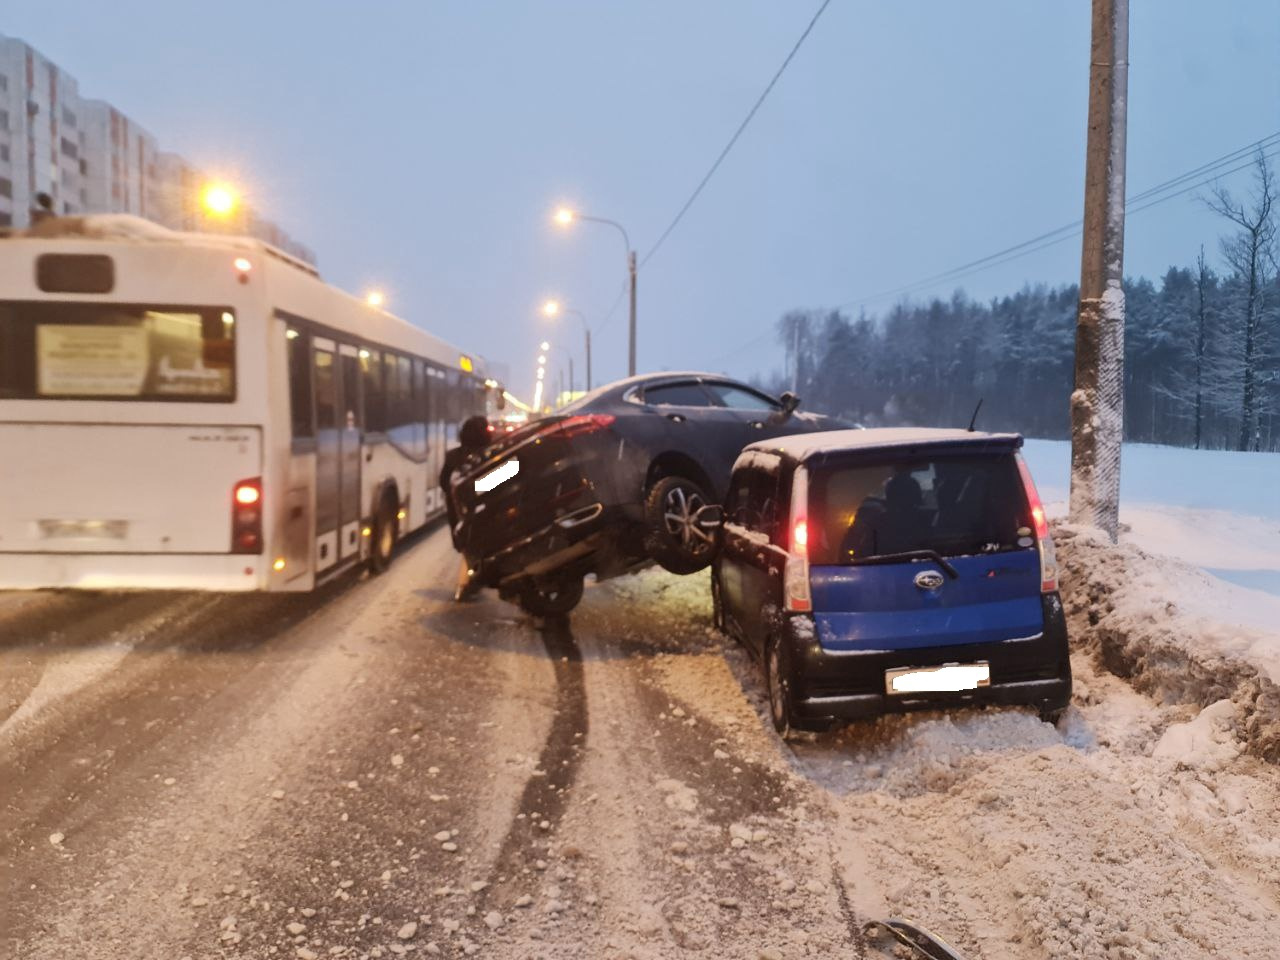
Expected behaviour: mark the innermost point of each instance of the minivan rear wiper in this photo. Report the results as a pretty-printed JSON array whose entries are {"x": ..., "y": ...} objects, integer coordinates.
[{"x": 933, "y": 555}]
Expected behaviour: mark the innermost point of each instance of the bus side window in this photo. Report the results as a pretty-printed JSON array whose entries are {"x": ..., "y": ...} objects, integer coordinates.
[
  {"x": 375, "y": 399},
  {"x": 298, "y": 345},
  {"x": 403, "y": 393}
]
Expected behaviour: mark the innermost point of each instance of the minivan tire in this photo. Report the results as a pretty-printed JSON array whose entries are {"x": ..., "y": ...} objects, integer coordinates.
[
  {"x": 672, "y": 538},
  {"x": 717, "y": 604},
  {"x": 550, "y": 596},
  {"x": 778, "y": 684},
  {"x": 386, "y": 531}
]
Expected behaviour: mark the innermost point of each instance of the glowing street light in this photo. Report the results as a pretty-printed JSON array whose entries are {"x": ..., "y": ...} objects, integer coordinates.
[
  {"x": 542, "y": 358},
  {"x": 545, "y": 345},
  {"x": 542, "y": 372},
  {"x": 220, "y": 200},
  {"x": 554, "y": 308},
  {"x": 565, "y": 217},
  {"x": 375, "y": 298}
]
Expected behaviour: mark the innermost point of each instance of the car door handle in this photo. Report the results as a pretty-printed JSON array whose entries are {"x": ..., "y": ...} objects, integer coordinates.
[
  {"x": 675, "y": 417},
  {"x": 758, "y": 424}
]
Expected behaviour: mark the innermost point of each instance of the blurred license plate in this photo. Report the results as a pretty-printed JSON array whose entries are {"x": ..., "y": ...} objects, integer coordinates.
[
  {"x": 498, "y": 475},
  {"x": 84, "y": 529},
  {"x": 949, "y": 678}
]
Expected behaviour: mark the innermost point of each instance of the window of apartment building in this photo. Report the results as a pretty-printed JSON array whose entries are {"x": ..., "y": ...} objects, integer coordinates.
[
  {"x": 6, "y": 219},
  {"x": 6, "y": 187},
  {"x": 4, "y": 83},
  {"x": 4, "y": 119},
  {"x": 69, "y": 149},
  {"x": 4, "y": 153},
  {"x": 68, "y": 118}
]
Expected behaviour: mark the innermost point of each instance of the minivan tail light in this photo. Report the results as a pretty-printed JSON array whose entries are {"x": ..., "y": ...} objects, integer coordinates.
[
  {"x": 246, "y": 516},
  {"x": 795, "y": 585},
  {"x": 800, "y": 537},
  {"x": 1040, "y": 526}
]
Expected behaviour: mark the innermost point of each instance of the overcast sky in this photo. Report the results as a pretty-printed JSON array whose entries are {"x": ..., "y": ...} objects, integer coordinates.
[{"x": 422, "y": 146}]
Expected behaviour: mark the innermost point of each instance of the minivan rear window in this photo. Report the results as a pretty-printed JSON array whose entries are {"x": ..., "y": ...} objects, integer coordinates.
[{"x": 955, "y": 505}]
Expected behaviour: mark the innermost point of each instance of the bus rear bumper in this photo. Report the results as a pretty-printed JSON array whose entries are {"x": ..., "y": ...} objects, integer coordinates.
[{"x": 164, "y": 571}]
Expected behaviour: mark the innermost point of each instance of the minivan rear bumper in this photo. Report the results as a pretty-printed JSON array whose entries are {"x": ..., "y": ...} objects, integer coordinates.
[{"x": 1034, "y": 671}]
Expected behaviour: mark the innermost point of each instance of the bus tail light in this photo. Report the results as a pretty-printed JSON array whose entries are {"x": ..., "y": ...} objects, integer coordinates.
[
  {"x": 246, "y": 516},
  {"x": 1040, "y": 528}
]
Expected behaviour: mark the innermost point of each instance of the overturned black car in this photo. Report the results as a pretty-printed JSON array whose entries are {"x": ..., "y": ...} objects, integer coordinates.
[{"x": 610, "y": 483}]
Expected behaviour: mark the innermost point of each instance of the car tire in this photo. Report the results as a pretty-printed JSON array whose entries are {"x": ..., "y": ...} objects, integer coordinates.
[
  {"x": 386, "y": 531},
  {"x": 778, "y": 684},
  {"x": 550, "y": 596},
  {"x": 673, "y": 539}
]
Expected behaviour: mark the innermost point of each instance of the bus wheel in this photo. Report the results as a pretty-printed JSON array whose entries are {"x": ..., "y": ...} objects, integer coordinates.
[{"x": 385, "y": 532}]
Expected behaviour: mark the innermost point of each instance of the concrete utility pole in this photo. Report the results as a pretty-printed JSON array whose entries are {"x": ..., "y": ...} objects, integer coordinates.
[{"x": 1097, "y": 403}]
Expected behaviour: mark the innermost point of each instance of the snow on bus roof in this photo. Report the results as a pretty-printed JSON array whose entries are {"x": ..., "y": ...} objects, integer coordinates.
[{"x": 800, "y": 446}]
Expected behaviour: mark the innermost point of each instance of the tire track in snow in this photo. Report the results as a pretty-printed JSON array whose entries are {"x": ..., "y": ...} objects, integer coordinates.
[{"x": 546, "y": 792}]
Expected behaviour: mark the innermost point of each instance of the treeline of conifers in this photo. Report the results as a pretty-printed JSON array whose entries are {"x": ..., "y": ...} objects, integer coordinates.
[{"x": 929, "y": 364}]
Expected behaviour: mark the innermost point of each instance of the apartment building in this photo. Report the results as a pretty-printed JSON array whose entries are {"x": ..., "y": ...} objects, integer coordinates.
[{"x": 87, "y": 156}]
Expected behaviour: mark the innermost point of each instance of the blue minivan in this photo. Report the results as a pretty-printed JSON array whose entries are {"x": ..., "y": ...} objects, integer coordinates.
[{"x": 876, "y": 571}]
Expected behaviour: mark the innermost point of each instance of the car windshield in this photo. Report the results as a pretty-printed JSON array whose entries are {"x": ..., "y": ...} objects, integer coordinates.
[{"x": 953, "y": 505}]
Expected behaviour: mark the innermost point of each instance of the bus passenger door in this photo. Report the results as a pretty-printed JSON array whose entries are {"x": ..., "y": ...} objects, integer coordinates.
[
  {"x": 328, "y": 462},
  {"x": 349, "y": 432}
]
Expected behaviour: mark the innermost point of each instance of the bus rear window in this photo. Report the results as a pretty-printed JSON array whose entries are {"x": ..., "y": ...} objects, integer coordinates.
[
  {"x": 79, "y": 351},
  {"x": 956, "y": 505}
]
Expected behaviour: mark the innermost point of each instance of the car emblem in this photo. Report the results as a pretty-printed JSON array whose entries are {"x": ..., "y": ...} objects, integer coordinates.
[{"x": 929, "y": 580}]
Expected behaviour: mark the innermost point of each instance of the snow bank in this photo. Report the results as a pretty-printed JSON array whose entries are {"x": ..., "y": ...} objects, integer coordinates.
[{"x": 1174, "y": 632}]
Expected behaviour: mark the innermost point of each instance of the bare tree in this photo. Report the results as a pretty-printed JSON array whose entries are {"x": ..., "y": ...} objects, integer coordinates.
[{"x": 1251, "y": 254}]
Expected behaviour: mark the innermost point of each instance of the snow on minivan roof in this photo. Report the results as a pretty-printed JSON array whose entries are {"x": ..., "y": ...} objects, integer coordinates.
[{"x": 801, "y": 446}]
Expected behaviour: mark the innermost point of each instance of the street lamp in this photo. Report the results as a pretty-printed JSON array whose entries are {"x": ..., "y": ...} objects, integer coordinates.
[
  {"x": 219, "y": 200},
  {"x": 565, "y": 216},
  {"x": 553, "y": 308},
  {"x": 375, "y": 298}
]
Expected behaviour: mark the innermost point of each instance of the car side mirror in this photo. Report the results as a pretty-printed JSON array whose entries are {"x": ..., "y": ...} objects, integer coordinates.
[{"x": 789, "y": 404}]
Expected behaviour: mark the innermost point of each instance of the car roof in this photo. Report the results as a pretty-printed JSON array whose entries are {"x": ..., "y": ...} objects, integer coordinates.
[{"x": 802, "y": 446}]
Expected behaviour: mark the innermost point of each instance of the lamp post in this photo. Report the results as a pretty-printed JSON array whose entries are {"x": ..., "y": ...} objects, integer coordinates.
[
  {"x": 553, "y": 308},
  {"x": 565, "y": 216}
]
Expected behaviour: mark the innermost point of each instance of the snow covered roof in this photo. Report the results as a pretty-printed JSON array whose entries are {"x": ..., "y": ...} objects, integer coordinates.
[
  {"x": 803, "y": 445},
  {"x": 126, "y": 227}
]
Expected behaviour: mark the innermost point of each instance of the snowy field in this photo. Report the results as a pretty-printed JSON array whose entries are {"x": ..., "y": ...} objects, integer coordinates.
[{"x": 1214, "y": 509}]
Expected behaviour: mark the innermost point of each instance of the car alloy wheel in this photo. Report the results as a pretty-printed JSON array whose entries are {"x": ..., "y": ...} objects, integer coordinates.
[{"x": 680, "y": 514}]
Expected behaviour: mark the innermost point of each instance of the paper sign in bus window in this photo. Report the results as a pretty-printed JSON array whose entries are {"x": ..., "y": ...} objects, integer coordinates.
[{"x": 99, "y": 360}]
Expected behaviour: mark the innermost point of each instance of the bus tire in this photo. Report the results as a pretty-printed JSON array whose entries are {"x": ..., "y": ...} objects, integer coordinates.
[{"x": 386, "y": 531}]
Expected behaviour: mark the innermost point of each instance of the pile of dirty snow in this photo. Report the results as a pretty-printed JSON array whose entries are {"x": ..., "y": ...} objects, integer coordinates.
[{"x": 1174, "y": 632}]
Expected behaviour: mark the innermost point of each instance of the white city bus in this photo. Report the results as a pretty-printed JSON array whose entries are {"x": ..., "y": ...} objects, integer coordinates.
[{"x": 203, "y": 412}]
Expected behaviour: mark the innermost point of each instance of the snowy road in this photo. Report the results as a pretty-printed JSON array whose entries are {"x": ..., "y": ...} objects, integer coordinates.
[{"x": 377, "y": 771}]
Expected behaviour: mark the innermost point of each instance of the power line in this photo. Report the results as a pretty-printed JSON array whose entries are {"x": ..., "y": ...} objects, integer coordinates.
[
  {"x": 737, "y": 133},
  {"x": 1153, "y": 196},
  {"x": 1206, "y": 173}
]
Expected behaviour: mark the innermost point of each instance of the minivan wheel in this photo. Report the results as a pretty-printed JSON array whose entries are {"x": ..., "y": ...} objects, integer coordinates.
[
  {"x": 717, "y": 603},
  {"x": 386, "y": 530},
  {"x": 777, "y": 675},
  {"x": 673, "y": 536},
  {"x": 1051, "y": 716},
  {"x": 551, "y": 596}
]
